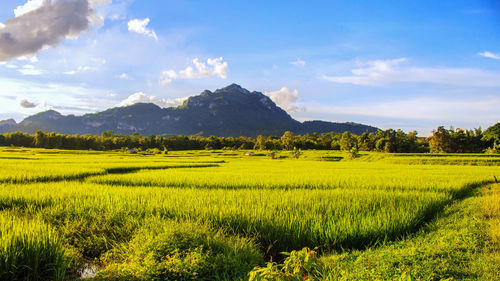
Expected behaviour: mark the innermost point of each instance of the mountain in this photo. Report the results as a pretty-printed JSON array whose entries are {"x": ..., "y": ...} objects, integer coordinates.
[{"x": 231, "y": 111}]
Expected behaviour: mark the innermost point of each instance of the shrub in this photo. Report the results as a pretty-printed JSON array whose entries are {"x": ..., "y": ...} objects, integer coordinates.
[
  {"x": 168, "y": 250},
  {"x": 298, "y": 266},
  {"x": 353, "y": 153},
  {"x": 296, "y": 153},
  {"x": 273, "y": 154}
]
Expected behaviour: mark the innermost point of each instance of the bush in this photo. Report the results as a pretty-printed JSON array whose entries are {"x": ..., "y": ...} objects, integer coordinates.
[
  {"x": 296, "y": 153},
  {"x": 298, "y": 266},
  {"x": 168, "y": 250},
  {"x": 353, "y": 153},
  {"x": 273, "y": 154}
]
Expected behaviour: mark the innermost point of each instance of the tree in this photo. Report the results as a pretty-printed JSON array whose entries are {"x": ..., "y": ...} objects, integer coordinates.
[
  {"x": 260, "y": 143},
  {"x": 287, "y": 140},
  {"x": 348, "y": 141},
  {"x": 492, "y": 134},
  {"x": 440, "y": 140}
]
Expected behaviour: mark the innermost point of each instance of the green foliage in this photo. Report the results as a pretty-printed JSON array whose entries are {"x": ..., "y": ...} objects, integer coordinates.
[
  {"x": 392, "y": 141},
  {"x": 493, "y": 133},
  {"x": 30, "y": 250},
  {"x": 296, "y": 153},
  {"x": 458, "y": 245},
  {"x": 298, "y": 266},
  {"x": 354, "y": 153},
  {"x": 348, "y": 141},
  {"x": 168, "y": 250},
  {"x": 287, "y": 140},
  {"x": 273, "y": 154},
  {"x": 456, "y": 141},
  {"x": 209, "y": 215}
]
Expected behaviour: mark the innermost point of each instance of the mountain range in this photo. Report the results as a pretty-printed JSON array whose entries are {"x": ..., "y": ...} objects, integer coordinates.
[{"x": 230, "y": 111}]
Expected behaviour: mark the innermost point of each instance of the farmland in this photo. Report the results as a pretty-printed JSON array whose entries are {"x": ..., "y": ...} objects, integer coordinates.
[{"x": 215, "y": 215}]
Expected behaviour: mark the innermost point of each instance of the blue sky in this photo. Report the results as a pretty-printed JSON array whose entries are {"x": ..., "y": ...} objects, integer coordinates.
[{"x": 393, "y": 64}]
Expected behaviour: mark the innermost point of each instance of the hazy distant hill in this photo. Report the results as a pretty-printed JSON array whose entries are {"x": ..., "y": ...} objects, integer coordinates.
[{"x": 231, "y": 111}]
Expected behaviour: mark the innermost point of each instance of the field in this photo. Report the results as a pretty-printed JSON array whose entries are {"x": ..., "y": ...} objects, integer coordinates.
[{"x": 215, "y": 215}]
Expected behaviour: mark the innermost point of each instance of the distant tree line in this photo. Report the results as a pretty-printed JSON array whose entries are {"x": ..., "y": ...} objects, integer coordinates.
[{"x": 394, "y": 141}]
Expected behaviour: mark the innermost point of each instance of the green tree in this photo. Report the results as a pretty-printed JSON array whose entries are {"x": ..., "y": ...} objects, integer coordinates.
[
  {"x": 287, "y": 140},
  {"x": 348, "y": 141},
  {"x": 260, "y": 143}
]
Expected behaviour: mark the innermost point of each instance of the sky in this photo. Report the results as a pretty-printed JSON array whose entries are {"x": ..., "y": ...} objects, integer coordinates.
[{"x": 413, "y": 65}]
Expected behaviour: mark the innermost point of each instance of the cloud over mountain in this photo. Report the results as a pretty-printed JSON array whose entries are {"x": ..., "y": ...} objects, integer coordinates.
[
  {"x": 213, "y": 67},
  {"x": 285, "y": 98},
  {"x": 141, "y": 97}
]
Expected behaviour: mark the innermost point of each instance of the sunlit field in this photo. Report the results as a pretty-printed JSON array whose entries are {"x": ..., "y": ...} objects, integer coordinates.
[{"x": 212, "y": 215}]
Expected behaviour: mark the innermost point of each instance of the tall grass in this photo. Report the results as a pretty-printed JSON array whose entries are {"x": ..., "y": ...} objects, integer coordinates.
[
  {"x": 110, "y": 206},
  {"x": 30, "y": 250}
]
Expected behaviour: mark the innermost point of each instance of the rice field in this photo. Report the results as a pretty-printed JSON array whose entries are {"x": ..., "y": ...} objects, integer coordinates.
[{"x": 211, "y": 215}]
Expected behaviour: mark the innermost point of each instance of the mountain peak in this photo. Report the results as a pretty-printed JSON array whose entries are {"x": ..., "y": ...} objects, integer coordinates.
[
  {"x": 8, "y": 122},
  {"x": 234, "y": 88}
]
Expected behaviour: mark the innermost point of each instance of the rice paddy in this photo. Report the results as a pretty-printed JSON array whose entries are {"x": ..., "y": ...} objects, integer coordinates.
[{"x": 212, "y": 215}]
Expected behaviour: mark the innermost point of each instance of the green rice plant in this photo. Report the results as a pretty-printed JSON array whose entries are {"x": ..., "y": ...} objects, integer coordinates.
[
  {"x": 169, "y": 250},
  {"x": 285, "y": 174},
  {"x": 30, "y": 250},
  {"x": 278, "y": 218}
]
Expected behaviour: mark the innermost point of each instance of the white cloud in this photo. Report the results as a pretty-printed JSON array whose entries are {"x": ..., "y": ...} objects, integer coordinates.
[
  {"x": 298, "y": 62},
  {"x": 141, "y": 97},
  {"x": 48, "y": 23},
  {"x": 489, "y": 55},
  {"x": 2, "y": 25},
  {"x": 385, "y": 72},
  {"x": 213, "y": 67},
  {"x": 27, "y": 104},
  {"x": 140, "y": 27},
  {"x": 167, "y": 76},
  {"x": 29, "y": 6},
  {"x": 285, "y": 98}
]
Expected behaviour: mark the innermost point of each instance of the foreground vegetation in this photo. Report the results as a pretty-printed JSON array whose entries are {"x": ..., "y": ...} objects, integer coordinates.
[{"x": 216, "y": 215}]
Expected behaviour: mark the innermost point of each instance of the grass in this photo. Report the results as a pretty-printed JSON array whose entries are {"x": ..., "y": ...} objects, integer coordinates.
[
  {"x": 206, "y": 215},
  {"x": 460, "y": 244},
  {"x": 30, "y": 250}
]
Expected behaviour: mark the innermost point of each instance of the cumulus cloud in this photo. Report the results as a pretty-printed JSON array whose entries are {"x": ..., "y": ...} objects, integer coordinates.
[
  {"x": 27, "y": 104},
  {"x": 29, "y": 6},
  {"x": 489, "y": 55},
  {"x": 42, "y": 23},
  {"x": 140, "y": 27},
  {"x": 141, "y": 97},
  {"x": 298, "y": 62},
  {"x": 385, "y": 72},
  {"x": 213, "y": 67},
  {"x": 285, "y": 98}
]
